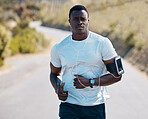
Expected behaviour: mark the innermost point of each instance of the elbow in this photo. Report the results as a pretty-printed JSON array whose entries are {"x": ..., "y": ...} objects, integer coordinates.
[{"x": 119, "y": 79}]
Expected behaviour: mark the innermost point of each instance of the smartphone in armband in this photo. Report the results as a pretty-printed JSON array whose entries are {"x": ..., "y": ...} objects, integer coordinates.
[{"x": 119, "y": 66}]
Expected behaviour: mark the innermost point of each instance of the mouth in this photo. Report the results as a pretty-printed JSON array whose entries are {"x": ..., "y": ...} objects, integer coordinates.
[{"x": 80, "y": 27}]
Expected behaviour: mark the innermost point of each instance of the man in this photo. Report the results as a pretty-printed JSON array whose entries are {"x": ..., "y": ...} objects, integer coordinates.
[{"x": 82, "y": 58}]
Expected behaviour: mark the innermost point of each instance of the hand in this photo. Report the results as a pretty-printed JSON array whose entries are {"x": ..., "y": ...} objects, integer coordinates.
[
  {"x": 80, "y": 82},
  {"x": 62, "y": 95}
]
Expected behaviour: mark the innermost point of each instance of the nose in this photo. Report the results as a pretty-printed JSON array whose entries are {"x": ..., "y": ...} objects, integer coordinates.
[{"x": 79, "y": 21}]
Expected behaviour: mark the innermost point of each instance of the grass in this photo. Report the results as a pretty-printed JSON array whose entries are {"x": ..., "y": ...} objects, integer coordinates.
[{"x": 124, "y": 22}]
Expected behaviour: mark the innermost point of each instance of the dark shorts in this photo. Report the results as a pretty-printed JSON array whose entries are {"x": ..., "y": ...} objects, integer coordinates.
[{"x": 71, "y": 111}]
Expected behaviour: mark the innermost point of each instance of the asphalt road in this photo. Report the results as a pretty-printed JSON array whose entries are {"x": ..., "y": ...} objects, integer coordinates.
[{"x": 25, "y": 91}]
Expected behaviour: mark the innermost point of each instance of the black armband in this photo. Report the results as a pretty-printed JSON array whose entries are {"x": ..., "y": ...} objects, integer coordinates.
[
  {"x": 116, "y": 66},
  {"x": 111, "y": 67}
]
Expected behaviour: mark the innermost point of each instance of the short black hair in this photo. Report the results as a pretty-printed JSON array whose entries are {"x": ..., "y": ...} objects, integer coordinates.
[{"x": 77, "y": 8}]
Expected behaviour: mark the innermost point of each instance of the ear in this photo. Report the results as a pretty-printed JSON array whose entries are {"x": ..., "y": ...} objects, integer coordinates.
[{"x": 69, "y": 22}]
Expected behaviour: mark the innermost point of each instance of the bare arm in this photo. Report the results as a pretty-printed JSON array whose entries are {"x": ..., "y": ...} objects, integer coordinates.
[
  {"x": 104, "y": 80},
  {"x": 107, "y": 79},
  {"x": 55, "y": 81}
]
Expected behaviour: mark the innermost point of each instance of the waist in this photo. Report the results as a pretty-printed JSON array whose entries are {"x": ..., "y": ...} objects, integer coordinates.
[{"x": 87, "y": 96}]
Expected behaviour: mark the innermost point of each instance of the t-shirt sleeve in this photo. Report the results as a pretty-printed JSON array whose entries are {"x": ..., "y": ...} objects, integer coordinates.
[
  {"x": 55, "y": 59},
  {"x": 108, "y": 51}
]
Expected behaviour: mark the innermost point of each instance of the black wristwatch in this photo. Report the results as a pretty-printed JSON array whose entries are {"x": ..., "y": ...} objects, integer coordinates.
[{"x": 92, "y": 82}]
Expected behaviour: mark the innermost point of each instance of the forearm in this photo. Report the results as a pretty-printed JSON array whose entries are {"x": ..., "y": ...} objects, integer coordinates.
[
  {"x": 106, "y": 80},
  {"x": 55, "y": 81}
]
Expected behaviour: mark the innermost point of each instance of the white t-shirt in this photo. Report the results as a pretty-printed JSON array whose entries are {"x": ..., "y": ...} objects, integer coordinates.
[{"x": 83, "y": 58}]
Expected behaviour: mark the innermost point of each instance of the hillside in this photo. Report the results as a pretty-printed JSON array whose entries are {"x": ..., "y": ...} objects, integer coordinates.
[
  {"x": 125, "y": 24},
  {"x": 15, "y": 34},
  {"x": 123, "y": 21}
]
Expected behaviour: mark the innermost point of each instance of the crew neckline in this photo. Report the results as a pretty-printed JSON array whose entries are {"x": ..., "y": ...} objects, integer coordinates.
[{"x": 80, "y": 40}]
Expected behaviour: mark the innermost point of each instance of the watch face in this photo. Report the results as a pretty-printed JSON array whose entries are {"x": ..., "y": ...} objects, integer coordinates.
[{"x": 92, "y": 81}]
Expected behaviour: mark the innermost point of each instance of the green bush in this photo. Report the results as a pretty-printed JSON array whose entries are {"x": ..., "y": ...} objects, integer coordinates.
[
  {"x": 20, "y": 27},
  {"x": 27, "y": 43},
  {"x": 1, "y": 62},
  {"x": 26, "y": 40},
  {"x": 23, "y": 43},
  {"x": 40, "y": 39},
  {"x": 14, "y": 46},
  {"x": 5, "y": 37}
]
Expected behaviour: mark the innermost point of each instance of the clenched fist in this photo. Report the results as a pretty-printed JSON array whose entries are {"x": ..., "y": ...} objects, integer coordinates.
[{"x": 62, "y": 95}]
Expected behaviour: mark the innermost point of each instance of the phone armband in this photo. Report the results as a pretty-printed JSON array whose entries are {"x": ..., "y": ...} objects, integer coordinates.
[{"x": 116, "y": 66}]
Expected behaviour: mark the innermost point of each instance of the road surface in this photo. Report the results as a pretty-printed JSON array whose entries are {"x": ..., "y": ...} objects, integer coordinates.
[{"x": 25, "y": 91}]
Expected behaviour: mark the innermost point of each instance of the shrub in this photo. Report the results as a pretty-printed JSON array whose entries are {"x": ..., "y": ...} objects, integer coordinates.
[
  {"x": 129, "y": 41},
  {"x": 14, "y": 46},
  {"x": 5, "y": 37},
  {"x": 26, "y": 40},
  {"x": 20, "y": 26},
  {"x": 1, "y": 62},
  {"x": 23, "y": 43}
]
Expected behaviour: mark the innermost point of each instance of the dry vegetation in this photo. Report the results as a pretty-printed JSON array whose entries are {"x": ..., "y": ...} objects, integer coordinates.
[
  {"x": 15, "y": 34},
  {"x": 123, "y": 21},
  {"x": 126, "y": 25}
]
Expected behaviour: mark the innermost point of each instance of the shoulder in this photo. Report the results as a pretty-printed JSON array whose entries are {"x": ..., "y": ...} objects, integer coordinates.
[
  {"x": 98, "y": 37},
  {"x": 63, "y": 43}
]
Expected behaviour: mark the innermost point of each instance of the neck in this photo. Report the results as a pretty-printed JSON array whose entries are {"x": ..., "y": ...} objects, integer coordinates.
[{"x": 80, "y": 36}]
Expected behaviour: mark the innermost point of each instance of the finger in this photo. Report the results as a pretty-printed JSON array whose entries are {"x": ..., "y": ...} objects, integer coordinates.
[
  {"x": 63, "y": 93},
  {"x": 77, "y": 75},
  {"x": 66, "y": 92},
  {"x": 62, "y": 86},
  {"x": 75, "y": 83},
  {"x": 75, "y": 79},
  {"x": 79, "y": 87},
  {"x": 62, "y": 98}
]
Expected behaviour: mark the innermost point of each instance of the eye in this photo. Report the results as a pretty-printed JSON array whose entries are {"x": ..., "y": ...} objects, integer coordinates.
[{"x": 83, "y": 19}]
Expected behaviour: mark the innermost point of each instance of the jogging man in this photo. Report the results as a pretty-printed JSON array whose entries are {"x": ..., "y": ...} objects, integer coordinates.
[{"x": 87, "y": 62}]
